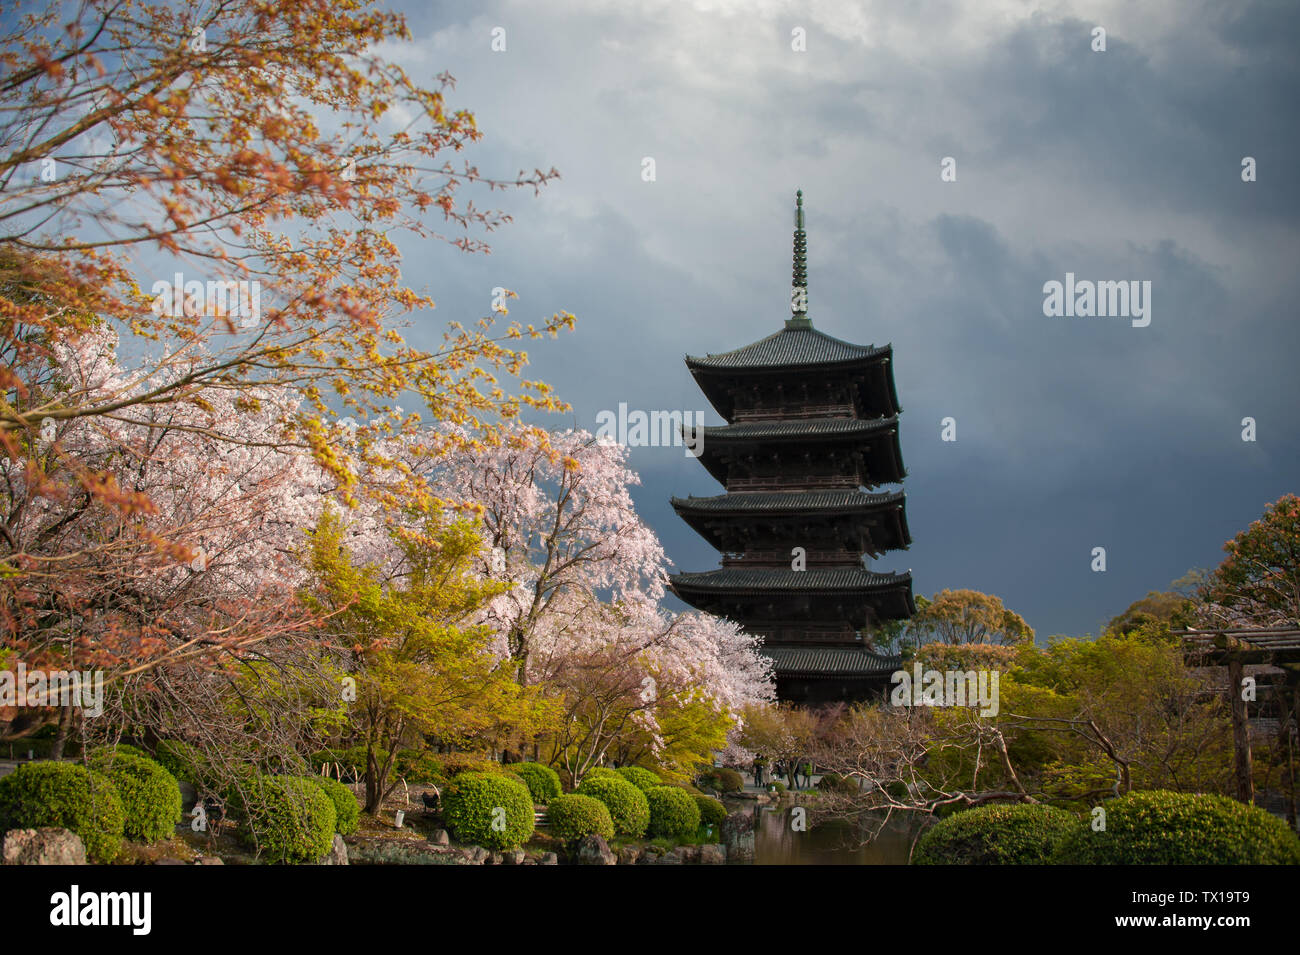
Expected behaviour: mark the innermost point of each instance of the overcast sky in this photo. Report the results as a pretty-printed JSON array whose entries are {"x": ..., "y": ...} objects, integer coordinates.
[{"x": 1072, "y": 433}]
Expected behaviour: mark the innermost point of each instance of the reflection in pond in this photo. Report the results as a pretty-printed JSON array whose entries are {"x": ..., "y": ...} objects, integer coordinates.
[{"x": 831, "y": 843}]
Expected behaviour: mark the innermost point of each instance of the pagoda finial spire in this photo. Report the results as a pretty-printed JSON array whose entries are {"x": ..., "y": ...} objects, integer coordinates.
[{"x": 799, "y": 283}]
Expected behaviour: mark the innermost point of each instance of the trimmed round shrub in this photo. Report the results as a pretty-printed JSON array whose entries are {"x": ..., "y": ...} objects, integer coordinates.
[
  {"x": 777, "y": 785},
  {"x": 1158, "y": 827},
  {"x": 151, "y": 798},
  {"x": 627, "y": 805},
  {"x": 601, "y": 772},
  {"x": 118, "y": 749},
  {"x": 642, "y": 779},
  {"x": 65, "y": 796},
  {"x": 542, "y": 781},
  {"x": 347, "y": 811},
  {"x": 489, "y": 809},
  {"x": 1020, "y": 834},
  {"x": 181, "y": 760},
  {"x": 673, "y": 812},
  {"x": 712, "y": 812},
  {"x": 576, "y": 815},
  {"x": 722, "y": 779},
  {"x": 287, "y": 818}
]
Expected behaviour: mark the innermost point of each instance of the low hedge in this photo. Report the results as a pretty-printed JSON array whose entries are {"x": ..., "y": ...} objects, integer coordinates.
[
  {"x": 65, "y": 796},
  {"x": 1021, "y": 834},
  {"x": 489, "y": 809},
  {"x": 287, "y": 818},
  {"x": 712, "y": 812},
  {"x": 642, "y": 779},
  {"x": 542, "y": 781},
  {"x": 673, "y": 812},
  {"x": 627, "y": 805},
  {"x": 347, "y": 811},
  {"x": 151, "y": 797},
  {"x": 576, "y": 815},
  {"x": 115, "y": 749},
  {"x": 1158, "y": 827}
]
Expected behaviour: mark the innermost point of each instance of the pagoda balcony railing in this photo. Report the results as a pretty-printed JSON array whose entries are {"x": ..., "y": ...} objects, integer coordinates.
[
  {"x": 786, "y": 483},
  {"x": 777, "y": 412},
  {"x": 805, "y": 635},
  {"x": 782, "y": 558}
]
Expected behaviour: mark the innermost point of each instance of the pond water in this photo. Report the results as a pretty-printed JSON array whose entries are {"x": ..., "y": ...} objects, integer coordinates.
[{"x": 831, "y": 843}]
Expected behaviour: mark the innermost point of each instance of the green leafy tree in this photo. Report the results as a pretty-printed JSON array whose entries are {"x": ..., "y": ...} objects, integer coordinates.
[
  {"x": 419, "y": 662},
  {"x": 1091, "y": 717},
  {"x": 1258, "y": 583},
  {"x": 1159, "y": 608},
  {"x": 968, "y": 616}
]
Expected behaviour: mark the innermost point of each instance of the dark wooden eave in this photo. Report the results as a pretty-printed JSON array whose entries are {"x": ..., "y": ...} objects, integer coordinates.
[
  {"x": 887, "y": 512},
  {"x": 889, "y": 596},
  {"x": 800, "y": 353},
  {"x": 828, "y": 662},
  {"x": 876, "y": 439}
]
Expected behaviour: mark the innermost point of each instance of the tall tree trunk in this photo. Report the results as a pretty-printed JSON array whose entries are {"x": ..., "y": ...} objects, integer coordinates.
[
  {"x": 374, "y": 797},
  {"x": 61, "y": 738}
]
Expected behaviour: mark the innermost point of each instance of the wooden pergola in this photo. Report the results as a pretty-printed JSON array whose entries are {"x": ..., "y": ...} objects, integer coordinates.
[{"x": 1236, "y": 648}]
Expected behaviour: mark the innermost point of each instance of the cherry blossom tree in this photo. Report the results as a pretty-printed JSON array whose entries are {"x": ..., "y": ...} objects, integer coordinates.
[
  {"x": 193, "y": 568},
  {"x": 559, "y": 519},
  {"x": 581, "y": 615}
]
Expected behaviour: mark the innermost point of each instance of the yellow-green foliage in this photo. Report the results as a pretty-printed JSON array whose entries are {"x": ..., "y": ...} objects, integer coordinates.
[
  {"x": 423, "y": 665},
  {"x": 997, "y": 835},
  {"x": 1144, "y": 700},
  {"x": 542, "y": 781},
  {"x": 151, "y": 798},
  {"x": 641, "y": 778},
  {"x": 576, "y": 815},
  {"x": 488, "y": 809},
  {"x": 66, "y": 796},
  {"x": 673, "y": 812},
  {"x": 347, "y": 811},
  {"x": 1166, "y": 828},
  {"x": 627, "y": 805},
  {"x": 287, "y": 819}
]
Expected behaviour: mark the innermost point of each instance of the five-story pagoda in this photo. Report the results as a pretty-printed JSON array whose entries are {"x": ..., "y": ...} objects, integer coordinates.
[{"x": 812, "y": 423}]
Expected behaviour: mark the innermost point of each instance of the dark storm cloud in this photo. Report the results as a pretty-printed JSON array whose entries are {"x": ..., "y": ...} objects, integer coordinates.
[{"x": 1072, "y": 432}]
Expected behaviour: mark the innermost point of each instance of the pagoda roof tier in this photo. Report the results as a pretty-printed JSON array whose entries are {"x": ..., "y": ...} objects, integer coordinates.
[
  {"x": 799, "y": 350},
  {"x": 799, "y": 345},
  {"x": 886, "y": 513},
  {"x": 879, "y": 437},
  {"x": 828, "y": 661},
  {"x": 888, "y": 595}
]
